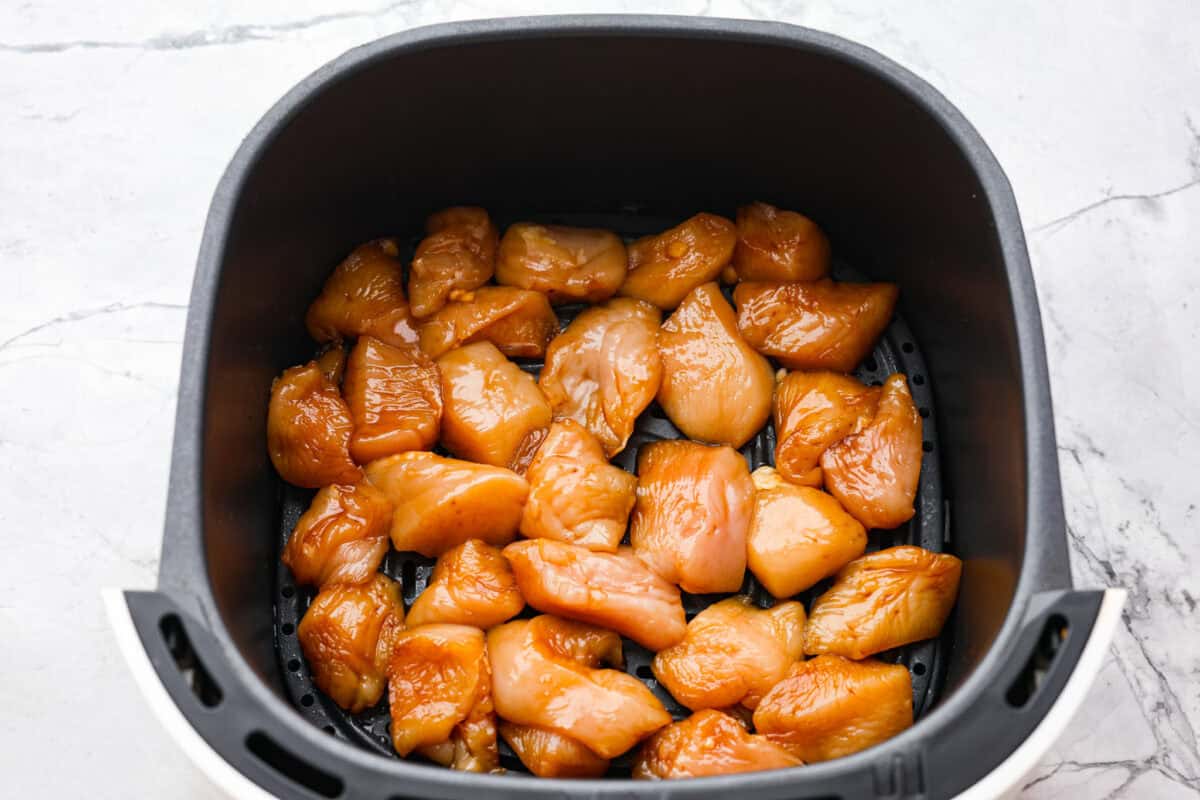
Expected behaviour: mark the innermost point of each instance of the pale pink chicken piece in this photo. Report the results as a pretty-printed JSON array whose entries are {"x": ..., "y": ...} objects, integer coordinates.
[
  {"x": 812, "y": 411},
  {"x": 364, "y": 297},
  {"x": 471, "y": 585},
  {"x": 342, "y": 537},
  {"x": 395, "y": 398},
  {"x": 457, "y": 253},
  {"x": 518, "y": 321},
  {"x": 778, "y": 245},
  {"x": 708, "y": 743},
  {"x": 568, "y": 264},
  {"x": 552, "y": 755},
  {"x": 664, "y": 267}
]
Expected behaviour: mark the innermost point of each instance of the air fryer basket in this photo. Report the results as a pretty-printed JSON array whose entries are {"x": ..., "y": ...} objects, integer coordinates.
[{"x": 632, "y": 123}]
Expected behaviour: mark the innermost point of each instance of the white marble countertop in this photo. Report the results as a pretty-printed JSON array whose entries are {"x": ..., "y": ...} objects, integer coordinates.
[{"x": 118, "y": 119}]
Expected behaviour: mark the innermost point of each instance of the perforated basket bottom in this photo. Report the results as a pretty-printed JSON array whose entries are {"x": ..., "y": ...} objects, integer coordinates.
[{"x": 897, "y": 351}]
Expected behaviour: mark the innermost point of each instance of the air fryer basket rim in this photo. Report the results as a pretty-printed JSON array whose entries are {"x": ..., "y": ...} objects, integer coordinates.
[{"x": 183, "y": 577}]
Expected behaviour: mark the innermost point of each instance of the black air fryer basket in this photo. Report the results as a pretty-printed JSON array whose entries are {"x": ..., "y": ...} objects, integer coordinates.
[{"x": 628, "y": 123}]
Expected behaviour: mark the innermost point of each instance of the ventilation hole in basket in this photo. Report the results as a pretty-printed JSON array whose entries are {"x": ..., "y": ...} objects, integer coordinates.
[
  {"x": 870, "y": 364},
  {"x": 332, "y": 731},
  {"x": 918, "y": 380},
  {"x": 293, "y": 768},
  {"x": 643, "y": 671},
  {"x": 287, "y": 591},
  {"x": 408, "y": 575},
  {"x": 287, "y": 629},
  {"x": 927, "y": 447},
  {"x": 190, "y": 667},
  {"x": 1033, "y": 674},
  {"x": 918, "y": 668},
  {"x": 307, "y": 700},
  {"x": 907, "y": 347},
  {"x": 924, "y": 412},
  {"x": 294, "y": 665}
]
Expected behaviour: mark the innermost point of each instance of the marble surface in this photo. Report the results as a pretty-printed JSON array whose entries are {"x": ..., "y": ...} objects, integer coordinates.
[{"x": 118, "y": 119}]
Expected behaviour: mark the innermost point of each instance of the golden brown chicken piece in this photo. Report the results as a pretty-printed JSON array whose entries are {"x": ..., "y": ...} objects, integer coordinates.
[
  {"x": 715, "y": 387},
  {"x": 395, "y": 398},
  {"x": 472, "y": 584},
  {"x": 552, "y": 755},
  {"x": 604, "y": 369},
  {"x": 364, "y": 297},
  {"x": 798, "y": 535},
  {"x": 457, "y": 253},
  {"x": 332, "y": 361},
  {"x": 691, "y": 516},
  {"x": 439, "y": 691},
  {"x": 874, "y": 472},
  {"x": 707, "y": 743},
  {"x": 346, "y": 634},
  {"x": 830, "y": 707},
  {"x": 518, "y": 321},
  {"x": 615, "y": 590},
  {"x": 664, "y": 267},
  {"x": 778, "y": 245},
  {"x": 439, "y": 503},
  {"x": 813, "y": 410},
  {"x": 818, "y": 325},
  {"x": 733, "y": 652},
  {"x": 575, "y": 495},
  {"x": 342, "y": 536},
  {"x": 494, "y": 410},
  {"x": 545, "y": 675},
  {"x": 883, "y": 600},
  {"x": 569, "y": 265},
  {"x": 309, "y": 429}
]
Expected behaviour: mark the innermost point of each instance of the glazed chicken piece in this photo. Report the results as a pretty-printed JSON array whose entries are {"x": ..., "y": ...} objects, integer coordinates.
[
  {"x": 395, "y": 398},
  {"x": 778, "y": 245},
  {"x": 440, "y": 694},
  {"x": 519, "y": 322},
  {"x": 569, "y": 265},
  {"x": 604, "y": 369},
  {"x": 813, "y": 410},
  {"x": 707, "y": 743},
  {"x": 733, "y": 652},
  {"x": 715, "y": 387},
  {"x": 341, "y": 538},
  {"x": 346, "y": 636},
  {"x": 691, "y": 516},
  {"x": 495, "y": 413},
  {"x": 545, "y": 675},
  {"x": 883, "y": 600},
  {"x": 309, "y": 429},
  {"x": 439, "y": 503},
  {"x": 664, "y": 267},
  {"x": 874, "y": 472},
  {"x": 798, "y": 535},
  {"x": 457, "y": 253},
  {"x": 552, "y": 755},
  {"x": 830, "y": 707},
  {"x": 614, "y": 590},
  {"x": 575, "y": 495},
  {"x": 472, "y": 584},
  {"x": 364, "y": 297},
  {"x": 818, "y": 325},
  {"x": 332, "y": 362}
]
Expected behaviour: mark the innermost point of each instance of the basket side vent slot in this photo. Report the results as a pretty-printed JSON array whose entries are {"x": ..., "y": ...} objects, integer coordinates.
[
  {"x": 1029, "y": 680},
  {"x": 194, "y": 673},
  {"x": 294, "y": 769}
]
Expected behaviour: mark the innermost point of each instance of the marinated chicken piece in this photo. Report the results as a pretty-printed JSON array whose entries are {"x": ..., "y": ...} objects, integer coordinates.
[
  {"x": 691, "y": 516},
  {"x": 874, "y": 472},
  {"x": 707, "y": 743},
  {"x": 472, "y": 584},
  {"x": 552, "y": 755},
  {"x": 664, "y": 267},
  {"x": 569, "y": 265},
  {"x": 309, "y": 429},
  {"x": 494, "y": 410},
  {"x": 342, "y": 537},
  {"x": 440, "y": 694},
  {"x": 519, "y": 322},
  {"x": 813, "y": 410},
  {"x": 346, "y": 635},
  {"x": 364, "y": 297},
  {"x": 457, "y": 253},
  {"x": 818, "y": 325},
  {"x": 604, "y": 369},
  {"x": 829, "y": 707},
  {"x": 439, "y": 503},
  {"x": 395, "y": 398},
  {"x": 778, "y": 245},
  {"x": 883, "y": 600},
  {"x": 798, "y": 535},
  {"x": 332, "y": 361},
  {"x": 545, "y": 675},
  {"x": 614, "y": 590},
  {"x": 575, "y": 495},
  {"x": 733, "y": 652},
  {"x": 715, "y": 387}
]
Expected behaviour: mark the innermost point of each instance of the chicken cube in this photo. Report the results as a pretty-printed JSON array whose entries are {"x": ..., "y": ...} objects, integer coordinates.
[
  {"x": 309, "y": 429},
  {"x": 341, "y": 538},
  {"x": 548, "y": 754},
  {"x": 568, "y": 265},
  {"x": 707, "y": 743},
  {"x": 778, "y": 245},
  {"x": 664, "y": 267},
  {"x": 364, "y": 297},
  {"x": 472, "y": 584},
  {"x": 518, "y": 321},
  {"x": 458, "y": 253},
  {"x": 395, "y": 398},
  {"x": 813, "y": 410}
]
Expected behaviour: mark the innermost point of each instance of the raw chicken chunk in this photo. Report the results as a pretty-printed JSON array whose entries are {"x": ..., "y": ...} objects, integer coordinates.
[
  {"x": 715, "y": 387},
  {"x": 439, "y": 503},
  {"x": 812, "y": 411},
  {"x": 691, "y": 516},
  {"x": 778, "y": 245},
  {"x": 472, "y": 584},
  {"x": 309, "y": 429},
  {"x": 395, "y": 398},
  {"x": 342, "y": 537},
  {"x": 364, "y": 297},
  {"x": 552, "y": 755},
  {"x": 818, "y": 325},
  {"x": 883, "y": 600},
  {"x": 830, "y": 707},
  {"x": 457, "y": 253},
  {"x": 518, "y": 321},
  {"x": 614, "y": 590},
  {"x": 707, "y": 743},
  {"x": 664, "y": 267},
  {"x": 569, "y": 265}
]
